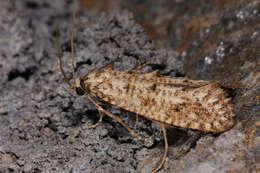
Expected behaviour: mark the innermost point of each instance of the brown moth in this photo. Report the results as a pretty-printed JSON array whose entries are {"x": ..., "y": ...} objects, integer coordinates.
[
  {"x": 199, "y": 105},
  {"x": 168, "y": 101}
]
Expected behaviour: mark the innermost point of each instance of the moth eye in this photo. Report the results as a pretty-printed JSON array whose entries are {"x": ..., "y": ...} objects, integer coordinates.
[{"x": 80, "y": 91}]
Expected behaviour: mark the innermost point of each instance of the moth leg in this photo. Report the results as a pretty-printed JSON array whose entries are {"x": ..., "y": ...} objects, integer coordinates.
[
  {"x": 136, "y": 119},
  {"x": 187, "y": 146},
  {"x": 165, "y": 152},
  {"x": 139, "y": 67},
  {"x": 123, "y": 124},
  {"x": 119, "y": 120},
  {"x": 99, "y": 121}
]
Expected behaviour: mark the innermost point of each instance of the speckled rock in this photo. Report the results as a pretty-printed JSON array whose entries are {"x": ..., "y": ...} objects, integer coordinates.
[{"x": 43, "y": 128}]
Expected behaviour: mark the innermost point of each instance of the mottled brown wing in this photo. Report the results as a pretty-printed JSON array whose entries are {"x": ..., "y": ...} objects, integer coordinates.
[
  {"x": 200, "y": 105},
  {"x": 204, "y": 108}
]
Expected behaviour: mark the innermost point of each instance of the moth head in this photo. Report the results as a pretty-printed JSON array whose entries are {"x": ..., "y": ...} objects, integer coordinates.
[{"x": 79, "y": 88}]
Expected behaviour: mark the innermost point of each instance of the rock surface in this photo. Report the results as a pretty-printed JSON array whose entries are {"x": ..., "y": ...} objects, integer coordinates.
[{"x": 43, "y": 128}]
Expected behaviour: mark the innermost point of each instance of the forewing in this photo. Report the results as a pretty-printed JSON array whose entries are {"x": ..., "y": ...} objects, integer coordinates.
[{"x": 200, "y": 105}]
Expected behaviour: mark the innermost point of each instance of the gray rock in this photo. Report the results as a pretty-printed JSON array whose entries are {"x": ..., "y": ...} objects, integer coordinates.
[{"x": 43, "y": 128}]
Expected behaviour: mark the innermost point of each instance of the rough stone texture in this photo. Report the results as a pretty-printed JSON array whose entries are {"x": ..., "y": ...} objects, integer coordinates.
[{"x": 45, "y": 129}]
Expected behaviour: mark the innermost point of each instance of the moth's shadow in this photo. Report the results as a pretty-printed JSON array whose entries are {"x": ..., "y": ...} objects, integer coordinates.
[{"x": 179, "y": 137}]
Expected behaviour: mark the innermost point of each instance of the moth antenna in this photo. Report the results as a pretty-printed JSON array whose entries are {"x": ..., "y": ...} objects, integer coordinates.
[
  {"x": 72, "y": 41},
  {"x": 59, "y": 56}
]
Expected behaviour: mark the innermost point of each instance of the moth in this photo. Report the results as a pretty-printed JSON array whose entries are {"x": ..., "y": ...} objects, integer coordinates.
[{"x": 168, "y": 101}]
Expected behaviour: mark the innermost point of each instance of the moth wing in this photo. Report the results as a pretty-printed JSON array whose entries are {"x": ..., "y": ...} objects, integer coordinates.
[
  {"x": 182, "y": 81},
  {"x": 150, "y": 75}
]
